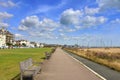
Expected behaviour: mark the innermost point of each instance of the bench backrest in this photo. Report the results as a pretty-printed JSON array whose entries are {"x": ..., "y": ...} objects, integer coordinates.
[{"x": 24, "y": 65}]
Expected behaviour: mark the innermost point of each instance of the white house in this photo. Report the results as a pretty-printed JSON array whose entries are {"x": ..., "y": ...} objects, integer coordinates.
[
  {"x": 2, "y": 41},
  {"x": 41, "y": 45},
  {"x": 37, "y": 45},
  {"x": 6, "y": 38},
  {"x": 24, "y": 43}
]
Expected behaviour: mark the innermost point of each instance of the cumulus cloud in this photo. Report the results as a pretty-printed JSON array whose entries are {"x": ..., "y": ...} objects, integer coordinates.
[
  {"x": 91, "y": 11},
  {"x": 77, "y": 19},
  {"x": 90, "y": 21},
  {"x": 63, "y": 36},
  {"x": 5, "y": 15},
  {"x": 78, "y": 27},
  {"x": 5, "y": 25},
  {"x": 67, "y": 29},
  {"x": 22, "y": 27},
  {"x": 70, "y": 17},
  {"x": 48, "y": 24},
  {"x": 7, "y": 4},
  {"x": 47, "y": 35},
  {"x": 34, "y": 22},
  {"x": 70, "y": 21},
  {"x": 31, "y": 21},
  {"x": 68, "y": 37},
  {"x": 115, "y": 21},
  {"x": 107, "y": 4},
  {"x": 18, "y": 35},
  {"x": 38, "y": 28},
  {"x": 46, "y": 8}
]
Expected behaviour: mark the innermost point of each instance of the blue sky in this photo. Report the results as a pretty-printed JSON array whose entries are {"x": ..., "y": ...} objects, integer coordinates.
[{"x": 83, "y": 22}]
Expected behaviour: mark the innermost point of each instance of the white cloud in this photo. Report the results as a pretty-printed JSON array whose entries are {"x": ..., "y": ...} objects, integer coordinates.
[
  {"x": 22, "y": 28},
  {"x": 70, "y": 21},
  {"x": 63, "y": 36},
  {"x": 34, "y": 22},
  {"x": 46, "y": 8},
  {"x": 80, "y": 19},
  {"x": 5, "y": 25},
  {"x": 78, "y": 27},
  {"x": 7, "y": 4},
  {"x": 65, "y": 29},
  {"x": 115, "y": 21},
  {"x": 48, "y": 24},
  {"x": 70, "y": 30},
  {"x": 91, "y": 11},
  {"x": 5, "y": 15},
  {"x": 45, "y": 35},
  {"x": 68, "y": 37},
  {"x": 107, "y": 4},
  {"x": 90, "y": 21},
  {"x": 70, "y": 17},
  {"x": 38, "y": 28},
  {"x": 18, "y": 35},
  {"x": 31, "y": 21}
]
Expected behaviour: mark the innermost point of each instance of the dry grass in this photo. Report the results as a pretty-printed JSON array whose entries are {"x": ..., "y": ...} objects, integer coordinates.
[
  {"x": 110, "y": 50},
  {"x": 108, "y": 57}
]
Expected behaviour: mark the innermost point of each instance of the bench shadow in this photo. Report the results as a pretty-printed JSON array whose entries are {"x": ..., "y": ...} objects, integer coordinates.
[
  {"x": 43, "y": 58},
  {"x": 17, "y": 77}
]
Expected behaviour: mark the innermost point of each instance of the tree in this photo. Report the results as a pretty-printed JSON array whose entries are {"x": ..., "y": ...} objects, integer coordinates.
[
  {"x": 9, "y": 45},
  {"x": 23, "y": 44}
]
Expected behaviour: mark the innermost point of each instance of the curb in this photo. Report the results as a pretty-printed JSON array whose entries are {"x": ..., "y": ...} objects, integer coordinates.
[{"x": 87, "y": 67}]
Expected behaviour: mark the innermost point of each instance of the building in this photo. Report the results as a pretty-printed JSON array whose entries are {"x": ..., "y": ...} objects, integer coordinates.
[
  {"x": 21, "y": 43},
  {"x": 41, "y": 45},
  {"x": 9, "y": 37},
  {"x": 6, "y": 38},
  {"x": 2, "y": 39}
]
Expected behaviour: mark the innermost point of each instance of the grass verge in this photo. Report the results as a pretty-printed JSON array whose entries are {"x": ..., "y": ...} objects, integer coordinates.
[{"x": 10, "y": 58}]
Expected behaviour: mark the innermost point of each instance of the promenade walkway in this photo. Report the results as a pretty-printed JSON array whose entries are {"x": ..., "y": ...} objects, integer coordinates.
[{"x": 63, "y": 67}]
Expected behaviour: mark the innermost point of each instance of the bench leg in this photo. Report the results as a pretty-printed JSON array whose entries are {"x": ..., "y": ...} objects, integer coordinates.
[{"x": 21, "y": 77}]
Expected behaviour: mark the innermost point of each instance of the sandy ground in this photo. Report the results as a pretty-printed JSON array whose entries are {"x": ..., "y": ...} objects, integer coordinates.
[{"x": 63, "y": 67}]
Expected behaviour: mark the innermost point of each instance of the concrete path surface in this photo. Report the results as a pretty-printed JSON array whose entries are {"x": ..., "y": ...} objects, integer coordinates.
[{"x": 63, "y": 67}]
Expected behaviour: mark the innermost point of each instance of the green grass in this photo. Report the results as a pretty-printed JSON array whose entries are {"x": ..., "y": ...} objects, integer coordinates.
[{"x": 10, "y": 58}]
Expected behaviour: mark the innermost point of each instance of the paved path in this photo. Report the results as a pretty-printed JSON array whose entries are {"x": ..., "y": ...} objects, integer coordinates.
[{"x": 63, "y": 67}]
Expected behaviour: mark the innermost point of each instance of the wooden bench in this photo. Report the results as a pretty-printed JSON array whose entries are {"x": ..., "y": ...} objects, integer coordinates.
[
  {"x": 47, "y": 55},
  {"x": 28, "y": 69}
]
